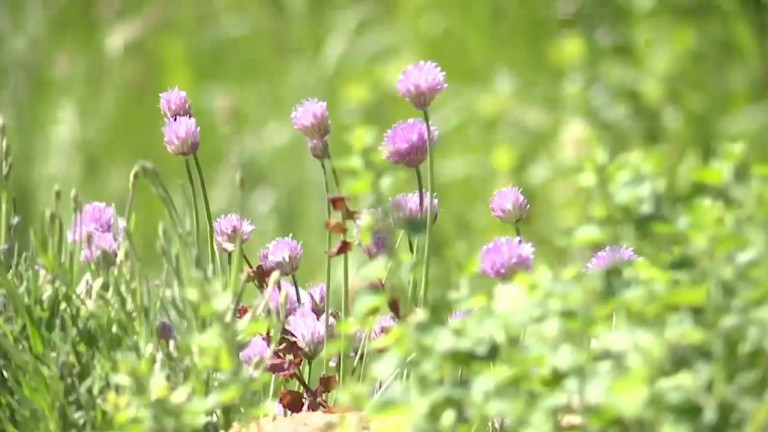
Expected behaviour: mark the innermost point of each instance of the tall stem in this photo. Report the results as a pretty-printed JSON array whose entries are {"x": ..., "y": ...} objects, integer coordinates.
[
  {"x": 195, "y": 213},
  {"x": 345, "y": 278},
  {"x": 430, "y": 210},
  {"x": 207, "y": 205},
  {"x": 296, "y": 287},
  {"x": 327, "y": 265}
]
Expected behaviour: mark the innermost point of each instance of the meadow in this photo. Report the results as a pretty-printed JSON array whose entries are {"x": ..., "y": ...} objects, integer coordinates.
[{"x": 211, "y": 215}]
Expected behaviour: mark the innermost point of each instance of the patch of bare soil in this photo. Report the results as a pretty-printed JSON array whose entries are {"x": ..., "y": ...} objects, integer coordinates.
[{"x": 308, "y": 422}]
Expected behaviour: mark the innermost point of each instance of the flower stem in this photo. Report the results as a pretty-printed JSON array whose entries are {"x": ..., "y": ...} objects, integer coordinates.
[
  {"x": 430, "y": 210},
  {"x": 327, "y": 265},
  {"x": 345, "y": 277},
  {"x": 517, "y": 230},
  {"x": 420, "y": 183},
  {"x": 296, "y": 287},
  {"x": 207, "y": 205},
  {"x": 194, "y": 201}
]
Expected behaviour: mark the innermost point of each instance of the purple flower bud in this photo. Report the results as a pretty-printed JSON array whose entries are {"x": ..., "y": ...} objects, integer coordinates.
[
  {"x": 609, "y": 257},
  {"x": 256, "y": 350},
  {"x": 509, "y": 205},
  {"x": 182, "y": 135},
  {"x": 405, "y": 143},
  {"x": 458, "y": 315},
  {"x": 165, "y": 331},
  {"x": 310, "y": 117},
  {"x": 378, "y": 241},
  {"x": 275, "y": 296},
  {"x": 420, "y": 83},
  {"x": 383, "y": 326},
  {"x": 98, "y": 228},
  {"x": 174, "y": 103},
  {"x": 318, "y": 147},
  {"x": 282, "y": 254},
  {"x": 504, "y": 256},
  {"x": 309, "y": 331},
  {"x": 405, "y": 209},
  {"x": 317, "y": 294},
  {"x": 228, "y": 228}
]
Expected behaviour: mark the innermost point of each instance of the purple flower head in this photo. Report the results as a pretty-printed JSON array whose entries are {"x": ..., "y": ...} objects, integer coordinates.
[
  {"x": 405, "y": 210},
  {"x": 275, "y": 296},
  {"x": 317, "y": 293},
  {"x": 383, "y": 326},
  {"x": 309, "y": 331},
  {"x": 310, "y": 117},
  {"x": 98, "y": 228},
  {"x": 509, "y": 205},
  {"x": 504, "y": 256},
  {"x": 318, "y": 147},
  {"x": 174, "y": 103},
  {"x": 609, "y": 257},
  {"x": 405, "y": 143},
  {"x": 284, "y": 254},
  {"x": 257, "y": 349},
  {"x": 165, "y": 331},
  {"x": 182, "y": 135},
  {"x": 420, "y": 83},
  {"x": 228, "y": 228}
]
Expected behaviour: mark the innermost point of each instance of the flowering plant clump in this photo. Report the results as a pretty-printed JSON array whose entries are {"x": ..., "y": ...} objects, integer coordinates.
[
  {"x": 223, "y": 328},
  {"x": 99, "y": 230}
]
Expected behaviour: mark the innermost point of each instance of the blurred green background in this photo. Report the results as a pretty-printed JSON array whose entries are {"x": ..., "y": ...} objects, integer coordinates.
[{"x": 542, "y": 94}]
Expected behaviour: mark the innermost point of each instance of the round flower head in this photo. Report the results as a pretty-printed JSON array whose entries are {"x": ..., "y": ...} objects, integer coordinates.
[
  {"x": 284, "y": 254},
  {"x": 405, "y": 210},
  {"x": 228, "y": 228},
  {"x": 317, "y": 294},
  {"x": 174, "y": 103},
  {"x": 405, "y": 143},
  {"x": 509, "y": 205},
  {"x": 284, "y": 293},
  {"x": 504, "y": 256},
  {"x": 182, "y": 135},
  {"x": 310, "y": 117},
  {"x": 309, "y": 331},
  {"x": 257, "y": 349},
  {"x": 609, "y": 257},
  {"x": 420, "y": 83},
  {"x": 98, "y": 228},
  {"x": 383, "y": 326}
]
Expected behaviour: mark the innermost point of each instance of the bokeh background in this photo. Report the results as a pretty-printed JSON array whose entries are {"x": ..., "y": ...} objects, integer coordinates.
[{"x": 607, "y": 113}]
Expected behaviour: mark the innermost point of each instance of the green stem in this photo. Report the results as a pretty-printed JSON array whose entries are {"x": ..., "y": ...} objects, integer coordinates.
[
  {"x": 335, "y": 174},
  {"x": 414, "y": 248},
  {"x": 517, "y": 230},
  {"x": 207, "y": 205},
  {"x": 420, "y": 183},
  {"x": 194, "y": 201},
  {"x": 327, "y": 266},
  {"x": 309, "y": 371},
  {"x": 296, "y": 287},
  {"x": 430, "y": 210},
  {"x": 345, "y": 278}
]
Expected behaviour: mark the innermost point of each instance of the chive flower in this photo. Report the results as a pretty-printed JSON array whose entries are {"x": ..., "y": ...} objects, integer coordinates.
[
  {"x": 174, "y": 103},
  {"x": 181, "y": 135},
  {"x": 309, "y": 331},
  {"x": 610, "y": 257},
  {"x": 420, "y": 83},
  {"x": 509, "y": 205},
  {"x": 405, "y": 143},
  {"x": 310, "y": 117},
  {"x": 504, "y": 256},
  {"x": 405, "y": 211},
  {"x": 98, "y": 229},
  {"x": 256, "y": 350},
  {"x": 284, "y": 254},
  {"x": 228, "y": 228}
]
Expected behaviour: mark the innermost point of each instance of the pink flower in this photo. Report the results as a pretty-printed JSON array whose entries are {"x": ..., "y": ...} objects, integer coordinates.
[{"x": 420, "y": 83}]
